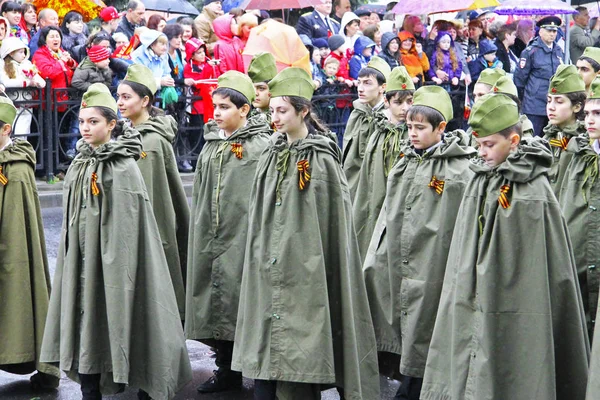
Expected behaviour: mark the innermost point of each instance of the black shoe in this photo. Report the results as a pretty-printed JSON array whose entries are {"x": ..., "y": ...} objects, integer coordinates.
[
  {"x": 222, "y": 380},
  {"x": 142, "y": 395},
  {"x": 43, "y": 381}
]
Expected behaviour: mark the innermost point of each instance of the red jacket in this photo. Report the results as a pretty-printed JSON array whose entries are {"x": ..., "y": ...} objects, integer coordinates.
[
  {"x": 60, "y": 75},
  {"x": 344, "y": 71},
  {"x": 228, "y": 48},
  {"x": 204, "y": 71}
]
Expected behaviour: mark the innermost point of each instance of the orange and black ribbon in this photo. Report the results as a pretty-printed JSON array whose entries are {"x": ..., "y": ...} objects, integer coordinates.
[
  {"x": 503, "y": 199},
  {"x": 143, "y": 155},
  {"x": 562, "y": 143},
  {"x": 95, "y": 189},
  {"x": 3, "y": 178},
  {"x": 237, "y": 149},
  {"x": 303, "y": 166},
  {"x": 437, "y": 185}
]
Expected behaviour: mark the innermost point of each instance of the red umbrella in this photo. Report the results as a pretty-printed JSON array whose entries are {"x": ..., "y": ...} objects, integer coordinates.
[{"x": 279, "y": 4}]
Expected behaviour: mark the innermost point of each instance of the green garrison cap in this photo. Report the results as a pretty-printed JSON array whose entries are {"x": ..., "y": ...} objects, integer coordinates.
[
  {"x": 380, "y": 65},
  {"x": 262, "y": 68},
  {"x": 566, "y": 80},
  {"x": 593, "y": 53},
  {"x": 239, "y": 82},
  {"x": 505, "y": 85},
  {"x": 98, "y": 95},
  {"x": 489, "y": 76},
  {"x": 493, "y": 113},
  {"x": 434, "y": 97},
  {"x": 399, "y": 80},
  {"x": 8, "y": 112},
  {"x": 594, "y": 89},
  {"x": 292, "y": 81},
  {"x": 141, "y": 74}
]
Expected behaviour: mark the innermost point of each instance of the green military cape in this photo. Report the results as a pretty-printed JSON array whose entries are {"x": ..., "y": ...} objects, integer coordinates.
[
  {"x": 362, "y": 123},
  {"x": 510, "y": 323},
  {"x": 24, "y": 274},
  {"x": 219, "y": 228},
  {"x": 113, "y": 309},
  {"x": 561, "y": 158},
  {"x": 303, "y": 314},
  {"x": 404, "y": 279},
  {"x": 167, "y": 196},
  {"x": 579, "y": 199},
  {"x": 383, "y": 151},
  {"x": 257, "y": 116}
]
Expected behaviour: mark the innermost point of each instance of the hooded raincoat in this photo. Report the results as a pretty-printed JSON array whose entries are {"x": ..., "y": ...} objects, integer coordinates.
[
  {"x": 362, "y": 123},
  {"x": 303, "y": 314},
  {"x": 559, "y": 140},
  {"x": 219, "y": 227},
  {"x": 228, "y": 48},
  {"x": 404, "y": 286},
  {"x": 167, "y": 196},
  {"x": 25, "y": 279},
  {"x": 393, "y": 59},
  {"x": 417, "y": 65},
  {"x": 112, "y": 310},
  {"x": 358, "y": 60},
  {"x": 510, "y": 323}
]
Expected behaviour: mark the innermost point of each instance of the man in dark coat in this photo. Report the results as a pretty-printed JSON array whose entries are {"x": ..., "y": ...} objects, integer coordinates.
[
  {"x": 132, "y": 19},
  {"x": 318, "y": 24}
]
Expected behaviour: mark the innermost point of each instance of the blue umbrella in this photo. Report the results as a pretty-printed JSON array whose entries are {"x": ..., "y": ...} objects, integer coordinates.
[
  {"x": 373, "y": 8},
  {"x": 228, "y": 5}
]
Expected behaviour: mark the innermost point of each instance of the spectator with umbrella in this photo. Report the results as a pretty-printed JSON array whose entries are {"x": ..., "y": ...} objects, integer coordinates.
[
  {"x": 318, "y": 24},
  {"x": 204, "y": 23}
]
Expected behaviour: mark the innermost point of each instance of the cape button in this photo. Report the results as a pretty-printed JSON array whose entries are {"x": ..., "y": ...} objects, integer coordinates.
[
  {"x": 591, "y": 267},
  {"x": 408, "y": 207},
  {"x": 592, "y": 208},
  {"x": 405, "y": 261}
]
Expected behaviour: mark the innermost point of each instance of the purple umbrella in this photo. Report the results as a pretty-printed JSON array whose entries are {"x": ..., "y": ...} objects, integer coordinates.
[{"x": 534, "y": 7}]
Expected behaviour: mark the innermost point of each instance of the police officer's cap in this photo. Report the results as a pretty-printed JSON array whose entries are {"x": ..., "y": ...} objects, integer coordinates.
[{"x": 551, "y": 23}]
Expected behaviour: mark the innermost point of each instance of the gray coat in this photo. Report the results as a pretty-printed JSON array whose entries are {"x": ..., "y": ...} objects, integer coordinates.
[{"x": 579, "y": 40}]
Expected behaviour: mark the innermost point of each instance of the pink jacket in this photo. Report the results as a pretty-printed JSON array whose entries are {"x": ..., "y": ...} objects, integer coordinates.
[{"x": 228, "y": 48}]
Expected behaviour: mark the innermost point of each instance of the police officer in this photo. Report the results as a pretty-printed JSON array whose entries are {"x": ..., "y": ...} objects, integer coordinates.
[{"x": 538, "y": 63}]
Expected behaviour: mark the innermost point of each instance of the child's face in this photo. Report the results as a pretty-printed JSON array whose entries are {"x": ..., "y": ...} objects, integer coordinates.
[
  {"x": 586, "y": 71},
  {"x": 560, "y": 110},
  {"x": 324, "y": 52},
  {"x": 227, "y": 116},
  {"x": 199, "y": 55},
  {"x": 479, "y": 90},
  {"x": 18, "y": 55},
  {"x": 103, "y": 64},
  {"x": 368, "y": 52},
  {"x": 369, "y": 91},
  {"x": 331, "y": 69},
  {"x": 592, "y": 118},
  {"x": 393, "y": 46},
  {"x": 422, "y": 134},
  {"x": 262, "y": 96},
  {"x": 444, "y": 43},
  {"x": 406, "y": 44},
  {"x": 94, "y": 127},
  {"x": 316, "y": 57},
  {"x": 495, "y": 149},
  {"x": 490, "y": 57},
  {"x": 399, "y": 107}
]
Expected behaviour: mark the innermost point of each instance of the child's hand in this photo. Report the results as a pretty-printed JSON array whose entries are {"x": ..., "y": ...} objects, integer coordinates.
[
  {"x": 437, "y": 80},
  {"x": 189, "y": 82},
  {"x": 419, "y": 48},
  {"x": 329, "y": 80},
  {"x": 349, "y": 83},
  {"x": 416, "y": 80},
  {"x": 454, "y": 81},
  {"x": 441, "y": 75}
]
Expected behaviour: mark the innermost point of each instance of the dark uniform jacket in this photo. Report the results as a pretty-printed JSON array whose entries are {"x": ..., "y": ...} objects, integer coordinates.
[{"x": 313, "y": 26}]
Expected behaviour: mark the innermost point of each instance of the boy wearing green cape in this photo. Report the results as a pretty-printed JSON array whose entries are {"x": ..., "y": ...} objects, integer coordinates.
[
  {"x": 383, "y": 151},
  {"x": 510, "y": 323},
  {"x": 261, "y": 70},
  {"x": 404, "y": 279},
  {"x": 25, "y": 282},
  {"x": 219, "y": 223},
  {"x": 505, "y": 85},
  {"x": 365, "y": 118}
]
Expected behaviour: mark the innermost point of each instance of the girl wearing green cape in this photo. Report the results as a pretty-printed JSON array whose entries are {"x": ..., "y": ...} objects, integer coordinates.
[
  {"x": 159, "y": 170},
  {"x": 566, "y": 97},
  {"x": 303, "y": 321},
  {"x": 113, "y": 318}
]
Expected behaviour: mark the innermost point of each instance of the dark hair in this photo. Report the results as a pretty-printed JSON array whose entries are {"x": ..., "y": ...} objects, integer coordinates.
[
  {"x": 595, "y": 65},
  {"x": 45, "y": 31},
  {"x": 350, "y": 23},
  {"x": 96, "y": 38},
  {"x": 516, "y": 128},
  {"x": 443, "y": 25},
  {"x": 236, "y": 12},
  {"x": 172, "y": 31},
  {"x": 234, "y": 96},
  {"x": 70, "y": 17},
  {"x": 27, "y": 6},
  {"x": 580, "y": 9},
  {"x": 368, "y": 71},
  {"x": 189, "y": 22},
  {"x": 154, "y": 20},
  {"x": 505, "y": 30},
  {"x": 476, "y": 24},
  {"x": 370, "y": 30},
  {"x": 143, "y": 91},
  {"x": 578, "y": 98},
  {"x": 10, "y": 6},
  {"x": 427, "y": 114},
  {"x": 312, "y": 121},
  {"x": 402, "y": 95},
  {"x": 110, "y": 115}
]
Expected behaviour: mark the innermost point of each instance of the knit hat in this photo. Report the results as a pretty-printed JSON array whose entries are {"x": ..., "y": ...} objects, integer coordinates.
[
  {"x": 380, "y": 65},
  {"x": 594, "y": 89},
  {"x": 565, "y": 80},
  {"x": 399, "y": 80},
  {"x": 492, "y": 114},
  {"x": 292, "y": 81},
  {"x": 11, "y": 44},
  {"x": 149, "y": 36},
  {"x": 434, "y": 97},
  {"x": 108, "y": 14},
  {"x": 262, "y": 67},
  {"x": 239, "y": 82},
  {"x": 98, "y": 53},
  {"x": 489, "y": 76},
  {"x": 505, "y": 85},
  {"x": 320, "y": 43},
  {"x": 141, "y": 74},
  {"x": 593, "y": 53},
  {"x": 8, "y": 112},
  {"x": 192, "y": 45},
  {"x": 98, "y": 95},
  {"x": 335, "y": 42}
]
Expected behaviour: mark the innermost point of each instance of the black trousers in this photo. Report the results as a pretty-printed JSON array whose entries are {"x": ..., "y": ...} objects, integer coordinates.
[
  {"x": 410, "y": 388},
  {"x": 90, "y": 386},
  {"x": 539, "y": 122},
  {"x": 224, "y": 353}
]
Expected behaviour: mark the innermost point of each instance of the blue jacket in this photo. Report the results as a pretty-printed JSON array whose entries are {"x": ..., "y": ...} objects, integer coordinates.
[
  {"x": 158, "y": 65},
  {"x": 313, "y": 26},
  {"x": 358, "y": 61},
  {"x": 536, "y": 66}
]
